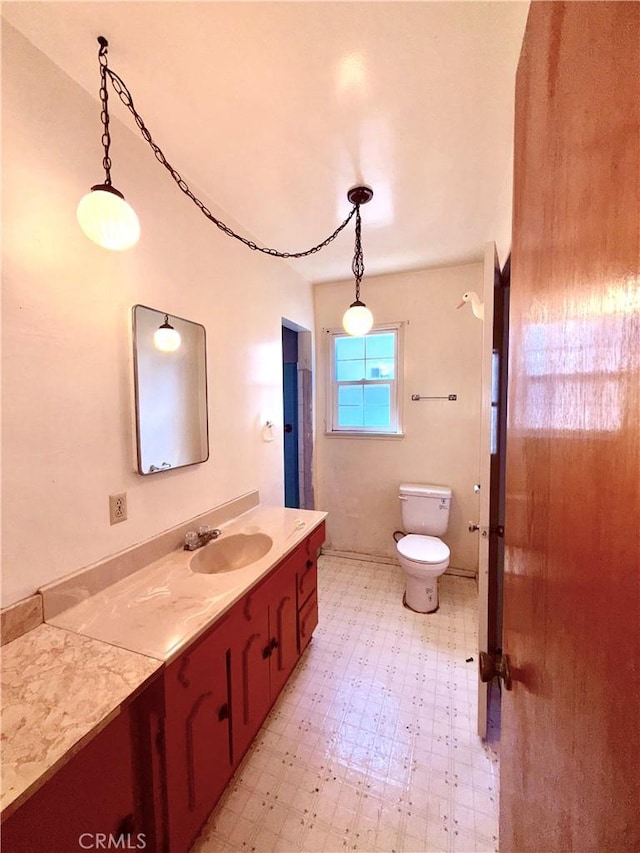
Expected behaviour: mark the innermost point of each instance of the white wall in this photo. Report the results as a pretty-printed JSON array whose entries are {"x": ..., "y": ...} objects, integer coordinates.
[
  {"x": 67, "y": 374},
  {"x": 358, "y": 478}
]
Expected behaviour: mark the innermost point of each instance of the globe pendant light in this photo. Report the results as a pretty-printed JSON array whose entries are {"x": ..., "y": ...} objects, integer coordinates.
[
  {"x": 107, "y": 219},
  {"x": 103, "y": 214},
  {"x": 358, "y": 319},
  {"x": 166, "y": 338}
]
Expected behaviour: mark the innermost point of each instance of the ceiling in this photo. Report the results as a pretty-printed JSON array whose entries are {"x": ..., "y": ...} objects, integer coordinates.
[{"x": 272, "y": 110}]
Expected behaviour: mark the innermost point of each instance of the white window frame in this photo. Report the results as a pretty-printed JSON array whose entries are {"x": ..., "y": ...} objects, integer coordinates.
[{"x": 395, "y": 430}]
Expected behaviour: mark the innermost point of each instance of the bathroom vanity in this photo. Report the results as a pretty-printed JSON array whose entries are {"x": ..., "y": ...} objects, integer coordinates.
[{"x": 215, "y": 649}]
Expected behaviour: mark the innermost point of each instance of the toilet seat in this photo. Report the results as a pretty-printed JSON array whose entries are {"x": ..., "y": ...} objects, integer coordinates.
[{"x": 423, "y": 549}]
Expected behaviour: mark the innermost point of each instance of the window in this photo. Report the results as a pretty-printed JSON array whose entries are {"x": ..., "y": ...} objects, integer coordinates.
[{"x": 364, "y": 378}]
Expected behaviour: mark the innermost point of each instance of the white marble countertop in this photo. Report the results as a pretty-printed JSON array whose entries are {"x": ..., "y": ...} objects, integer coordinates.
[
  {"x": 59, "y": 690},
  {"x": 162, "y": 608},
  {"x": 65, "y": 680}
]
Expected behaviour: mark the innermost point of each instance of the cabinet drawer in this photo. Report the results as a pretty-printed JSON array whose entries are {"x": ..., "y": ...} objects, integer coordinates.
[
  {"x": 308, "y": 619},
  {"x": 307, "y": 581},
  {"x": 315, "y": 541}
]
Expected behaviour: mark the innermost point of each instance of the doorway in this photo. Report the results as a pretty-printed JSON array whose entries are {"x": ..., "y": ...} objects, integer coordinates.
[{"x": 297, "y": 416}]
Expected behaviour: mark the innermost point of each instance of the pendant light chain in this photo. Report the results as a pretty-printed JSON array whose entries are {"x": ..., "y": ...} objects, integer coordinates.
[
  {"x": 358, "y": 258},
  {"x": 104, "y": 114},
  {"x": 125, "y": 96}
]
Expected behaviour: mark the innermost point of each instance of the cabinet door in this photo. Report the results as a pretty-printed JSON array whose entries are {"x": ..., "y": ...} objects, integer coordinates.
[
  {"x": 250, "y": 651},
  {"x": 91, "y": 796},
  {"x": 197, "y": 737},
  {"x": 283, "y": 621}
]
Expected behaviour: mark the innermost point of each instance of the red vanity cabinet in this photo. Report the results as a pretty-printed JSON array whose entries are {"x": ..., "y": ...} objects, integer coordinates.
[
  {"x": 197, "y": 736},
  {"x": 152, "y": 776},
  {"x": 219, "y": 691}
]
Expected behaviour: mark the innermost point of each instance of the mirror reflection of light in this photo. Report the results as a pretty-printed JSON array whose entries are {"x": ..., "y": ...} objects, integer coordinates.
[{"x": 166, "y": 339}]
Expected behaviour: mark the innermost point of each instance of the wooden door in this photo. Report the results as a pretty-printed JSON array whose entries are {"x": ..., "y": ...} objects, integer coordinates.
[
  {"x": 570, "y": 747},
  {"x": 197, "y": 737}
]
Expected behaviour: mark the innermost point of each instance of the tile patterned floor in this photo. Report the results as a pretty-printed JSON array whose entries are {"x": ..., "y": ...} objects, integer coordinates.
[{"x": 372, "y": 744}]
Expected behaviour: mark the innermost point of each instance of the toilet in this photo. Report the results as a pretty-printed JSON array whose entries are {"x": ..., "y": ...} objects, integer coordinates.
[{"x": 422, "y": 555}]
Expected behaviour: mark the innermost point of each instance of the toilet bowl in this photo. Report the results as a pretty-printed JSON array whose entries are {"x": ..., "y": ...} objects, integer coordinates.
[
  {"x": 422, "y": 555},
  {"x": 424, "y": 559}
]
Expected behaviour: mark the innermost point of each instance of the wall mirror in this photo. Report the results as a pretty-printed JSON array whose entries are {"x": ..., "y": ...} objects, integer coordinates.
[{"x": 170, "y": 374}]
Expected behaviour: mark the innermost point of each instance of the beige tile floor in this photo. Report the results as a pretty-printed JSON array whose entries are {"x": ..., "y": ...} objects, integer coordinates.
[{"x": 372, "y": 744}]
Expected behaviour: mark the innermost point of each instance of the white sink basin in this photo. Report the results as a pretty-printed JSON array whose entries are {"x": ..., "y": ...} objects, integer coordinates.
[{"x": 230, "y": 553}]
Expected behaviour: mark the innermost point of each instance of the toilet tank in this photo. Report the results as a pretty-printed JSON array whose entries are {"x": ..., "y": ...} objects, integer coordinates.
[{"x": 425, "y": 508}]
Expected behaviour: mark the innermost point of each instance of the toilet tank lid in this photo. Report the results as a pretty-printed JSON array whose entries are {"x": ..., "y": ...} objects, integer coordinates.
[{"x": 425, "y": 491}]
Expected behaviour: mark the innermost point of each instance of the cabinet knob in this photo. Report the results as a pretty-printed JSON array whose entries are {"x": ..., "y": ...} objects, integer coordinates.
[
  {"x": 309, "y": 564},
  {"x": 223, "y": 713},
  {"x": 267, "y": 651},
  {"x": 274, "y": 643}
]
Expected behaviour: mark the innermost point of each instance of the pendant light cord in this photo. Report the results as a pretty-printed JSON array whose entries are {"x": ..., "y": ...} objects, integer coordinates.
[
  {"x": 125, "y": 96},
  {"x": 104, "y": 113},
  {"x": 358, "y": 258}
]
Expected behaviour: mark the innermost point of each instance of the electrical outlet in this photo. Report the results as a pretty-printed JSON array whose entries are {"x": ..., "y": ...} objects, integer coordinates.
[{"x": 117, "y": 508}]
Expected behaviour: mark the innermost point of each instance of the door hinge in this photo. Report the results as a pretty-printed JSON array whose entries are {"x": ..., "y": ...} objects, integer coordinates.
[{"x": 495, "y": 665}]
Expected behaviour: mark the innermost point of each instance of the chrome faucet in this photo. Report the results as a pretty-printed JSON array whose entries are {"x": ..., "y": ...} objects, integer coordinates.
[{"x": 193, "y": 540}]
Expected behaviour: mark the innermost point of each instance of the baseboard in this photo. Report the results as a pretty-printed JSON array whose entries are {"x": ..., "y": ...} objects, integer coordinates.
[{"x": 390, "y": 561}]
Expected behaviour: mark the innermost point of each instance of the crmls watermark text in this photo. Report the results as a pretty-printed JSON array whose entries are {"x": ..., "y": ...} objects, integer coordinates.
[{"x": 104, "y": 841}]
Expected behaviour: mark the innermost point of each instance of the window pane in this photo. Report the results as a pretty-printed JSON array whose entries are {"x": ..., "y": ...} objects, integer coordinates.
[
  {"x": 377, "y": 395},
  {"x": 379, "y": 346},
  {"x": 349, "y": 371},
  {"x": 380, "y": 368},
  {"x": 377, "y": 416},
  {"x": 364, "y": 382},
  {"x": 348, "y": 348},
  {"x": 350, "y": 395},
  {"x": 350, "y": 416}
]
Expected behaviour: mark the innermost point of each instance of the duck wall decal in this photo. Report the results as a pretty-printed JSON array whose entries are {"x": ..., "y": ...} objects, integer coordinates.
[{"x": 476, "y": 306}]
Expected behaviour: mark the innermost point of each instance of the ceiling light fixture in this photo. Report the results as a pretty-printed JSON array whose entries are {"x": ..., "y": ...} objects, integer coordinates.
[
  {"x": 166, "y": 338},
  {"x": 357, "y": 319},
  {"x": 103, "y": 214},
  {"x": 107, "y": 219}
]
